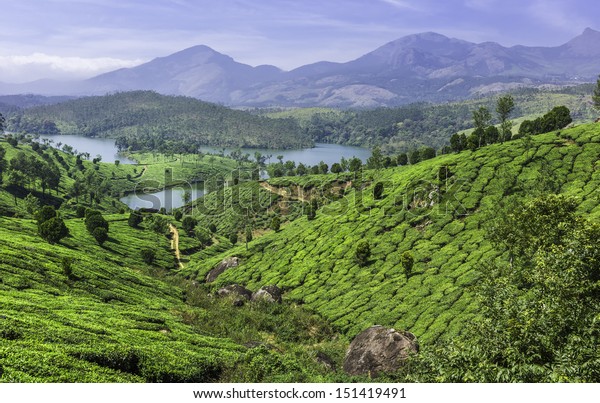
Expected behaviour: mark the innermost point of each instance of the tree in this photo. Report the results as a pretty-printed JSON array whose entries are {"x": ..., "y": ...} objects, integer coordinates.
[
  {"x": 248, "y": 236},
  {"x": 148, "y": 255},
  {"x": 275, "y": 224},
  {"x": 187, "y": 197},
  {"x": 407, "y": 261},
  {"x": 2, "y": 122},
  {"x": 596, "y": 95},
  {"x": 362, "y": 253},
  {"x": 53, "y": 230},
  {"x": 336, "y": 168},
  {"x": 414, "y": 156},
  {"x": 203, "y": 236},
  {"x": 188, "y": 224},
  {"x": 32, "y": 203},
  {"x": 233, "y": 238},
  {"x": 93, "y": 220},
  {"x": 135, "y": 219},
  {"x": 504, "y": 107},
  {"x": 355, "y": 164},
  {"x": 375, "y": 161},
  {"x": 402, "y": 159},
  {"x": 100, "y": 234},
  {"x": 2, "y": 162},
  {"x": 44, "y": 214},
  {"x": 378, "y": 191},
  {"x": 212, "y": 228},
  {"x": 456, "y": 143},
  {"x": 426, "y": 153},
  {"x": 481, "y": 120},
  {"x": 177, "y": 214},
  {"x": 117, "y": 163}
]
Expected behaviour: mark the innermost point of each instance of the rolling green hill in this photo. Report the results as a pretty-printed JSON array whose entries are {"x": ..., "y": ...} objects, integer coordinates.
[
  {"x": 145, "y": 120},
  {"x": 437, "y": 210}
]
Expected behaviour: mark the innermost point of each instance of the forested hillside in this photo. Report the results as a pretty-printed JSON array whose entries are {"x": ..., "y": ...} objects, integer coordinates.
[
  {"x": 412, "y": 126},
  {"x": 145, "y": 120}
]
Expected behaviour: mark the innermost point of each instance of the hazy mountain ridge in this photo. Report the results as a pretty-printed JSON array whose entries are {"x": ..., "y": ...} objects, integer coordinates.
[{"x": 421, "y": 67}]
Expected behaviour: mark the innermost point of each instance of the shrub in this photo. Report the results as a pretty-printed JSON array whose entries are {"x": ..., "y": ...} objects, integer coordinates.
[
  {"x": 148, "y": 255},
  {"x": 177, "y": 214},
  {"x": 233, "y": 238},
  {"x": 203, "y": 236},
  {"x": 135, "y": 219},
  {"x": 212, "y": 228},
  {"x": 94, "y": 221},
  {"x": 53, "y": 230},
  {"x": 100, "y": 234},
  {"x": 44, "y": 214},
  {"x": 378, "y": 190},
  {"x": 80, "y": 211},
  {"x": 275, "y": 224},
  {"x": 363, "y": 252},
  {"x": 188, "y": 224}
]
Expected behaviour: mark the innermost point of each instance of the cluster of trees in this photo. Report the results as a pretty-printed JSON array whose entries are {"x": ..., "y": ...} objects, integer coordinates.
[
  {"x": 558, "y": 118},
  {"x": 29, "y": 171},
  {"x": 96, "y": 225},
  {"x": 145, "y": 120},
  {"x": 51, "y": 227},
  {"x": 486, "y": 133}
]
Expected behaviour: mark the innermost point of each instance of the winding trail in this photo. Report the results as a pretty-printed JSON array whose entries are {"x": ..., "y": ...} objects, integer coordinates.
[
  {"x": 175, "y": 244},
  {"x": 282, "y": 192}
]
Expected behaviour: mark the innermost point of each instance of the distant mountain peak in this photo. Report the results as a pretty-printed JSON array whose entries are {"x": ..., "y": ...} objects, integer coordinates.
[{"x": 585, "y": 45}]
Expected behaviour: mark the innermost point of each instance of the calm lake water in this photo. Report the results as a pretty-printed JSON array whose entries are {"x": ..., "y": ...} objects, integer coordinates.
[
  {"x": 168, "y": 198},
  {"x": 173, "y": 198},
  {"x": 95, "y": 146},
  {"x": 328, "y": 153}
]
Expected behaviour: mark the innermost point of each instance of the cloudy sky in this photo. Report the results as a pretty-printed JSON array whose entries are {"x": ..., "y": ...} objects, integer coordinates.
[{"x": 65, "y": 39}]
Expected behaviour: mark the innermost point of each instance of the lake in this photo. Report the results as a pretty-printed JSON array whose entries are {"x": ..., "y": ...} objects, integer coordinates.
[
  {"x": 95, "y": 146},
  {"x": 328, "y": 153},
  {"x": 168, "y": 198},
  {"x": 173, "y": 198}
]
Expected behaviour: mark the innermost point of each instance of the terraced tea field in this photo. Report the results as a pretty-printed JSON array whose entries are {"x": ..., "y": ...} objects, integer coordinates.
[{"x": 438, "y": 210}]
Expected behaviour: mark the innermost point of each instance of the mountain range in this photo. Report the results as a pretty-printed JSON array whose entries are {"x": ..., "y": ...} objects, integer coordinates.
[{"x": 420, "y": 67}]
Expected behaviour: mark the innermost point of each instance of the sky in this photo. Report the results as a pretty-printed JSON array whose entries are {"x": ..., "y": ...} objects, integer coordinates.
[{"x": 73, "y": 39}]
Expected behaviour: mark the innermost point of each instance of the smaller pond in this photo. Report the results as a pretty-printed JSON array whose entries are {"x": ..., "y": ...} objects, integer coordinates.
[
  {"x": 106, "y": 148},
  {"x": 168, "y": 198}
]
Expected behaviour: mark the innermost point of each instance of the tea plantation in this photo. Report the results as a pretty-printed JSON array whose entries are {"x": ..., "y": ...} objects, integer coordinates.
[{"x": 437, "y": 210}]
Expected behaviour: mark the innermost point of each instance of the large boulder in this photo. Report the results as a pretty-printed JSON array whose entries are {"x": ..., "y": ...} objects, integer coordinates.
[
  {"x": 237, "y": 293},
  {"x": 268, "y": 293},
  {"x": 379, "y": 349},
  {"x": 227, "y": 263}
]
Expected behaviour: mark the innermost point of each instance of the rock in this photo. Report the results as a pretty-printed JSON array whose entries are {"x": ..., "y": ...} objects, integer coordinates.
[
  {"x": 268, "y": 293},
  {"x": 238, "y": 293},
  {"x": 379, "y": 349},
  {"x": 227, "y": 263}
]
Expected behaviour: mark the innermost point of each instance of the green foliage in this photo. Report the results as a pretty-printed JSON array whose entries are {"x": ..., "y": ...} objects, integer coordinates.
[
  {"x": 66, "y": 263},
  {"x": 145, "y": 120},
  {"x": 233, "y": 238},
  {"x": 203, "y": 236},
  {"x": 178, "y": 214},
  {"x": 135, "y": 219},
  {"x": 148, "y": 255},
  {"x": 378, "y": 191},
  {"x": 362, "y": 253},
  {"x": 93, "y": 220},
  {"x": 558, "y": 118},
  {"x": 276, "y": 223},
  {"x": 596, "y": 95},
  {"x": 44, "y": 214},
  {"x": 100, "y": 234},
  {"x": 407, "y": 261},
  {"x": 80, "y": 211},
  {"x": 539, "y": 304},
  {"x": 188, "y": 224},
  {"x": 53, "y": 230}
]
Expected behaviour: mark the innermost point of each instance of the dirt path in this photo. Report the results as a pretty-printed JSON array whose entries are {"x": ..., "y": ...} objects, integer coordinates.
[
  {"x": 282, "y": 192},
  {"x": 175, "y": 244}
]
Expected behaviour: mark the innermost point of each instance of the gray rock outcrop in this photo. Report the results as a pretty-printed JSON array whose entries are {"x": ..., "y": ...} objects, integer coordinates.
[
  {"x": 268, "y": 293},
  {"x": 379, "y": 349},
  {"x": 225, "y": 264}
]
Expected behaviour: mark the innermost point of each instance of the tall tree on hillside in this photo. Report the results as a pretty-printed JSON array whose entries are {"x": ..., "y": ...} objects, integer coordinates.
[
  {"x": 596, "y": 95},
  {"x": 504, "y": 107},
  {"x": 2, "y": 121},
  {"x": 2, "y": 162},
  {"x": 481, "y": 119}
]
